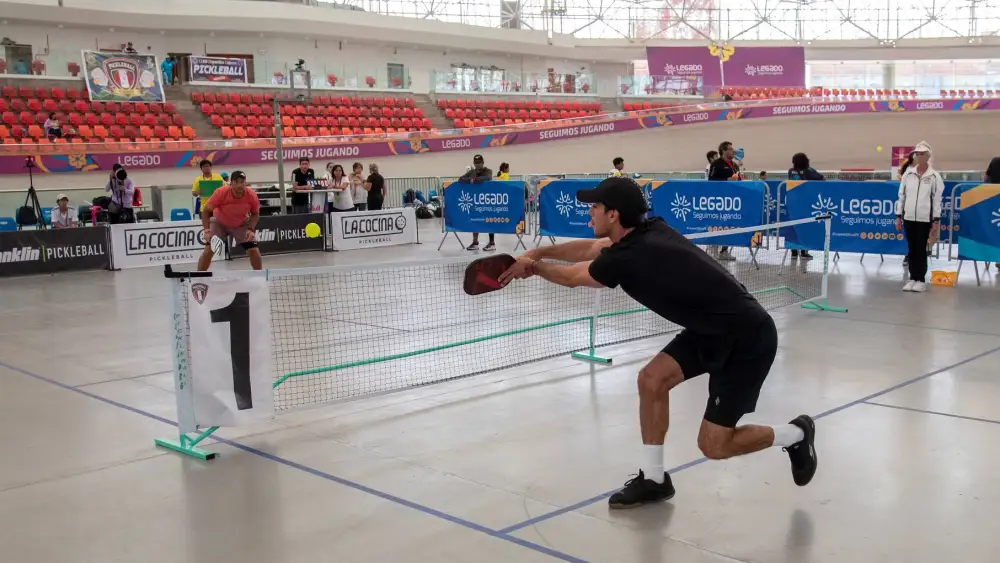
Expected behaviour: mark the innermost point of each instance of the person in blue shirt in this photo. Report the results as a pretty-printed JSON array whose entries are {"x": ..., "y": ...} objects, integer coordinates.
[
  {"x": 167, "y": 68},
  {"x": 801, "y": 170}
]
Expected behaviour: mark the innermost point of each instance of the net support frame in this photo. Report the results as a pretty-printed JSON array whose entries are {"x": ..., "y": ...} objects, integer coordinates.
[
  {"x": 822, "y": 304},
  {"x": 591, "y": 354}
]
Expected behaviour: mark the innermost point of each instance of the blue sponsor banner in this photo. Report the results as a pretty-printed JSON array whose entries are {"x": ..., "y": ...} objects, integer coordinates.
[
  {"x": 702, "y": 206},
  {"x": 489, "y": 207},
  {"x": 775, "y": 193},
  {"x": 863, "y": 216},
  {"x": 559, "y": 212},
  {"x": 951, "y": 212},
  {"x": 979, "y": 238}
]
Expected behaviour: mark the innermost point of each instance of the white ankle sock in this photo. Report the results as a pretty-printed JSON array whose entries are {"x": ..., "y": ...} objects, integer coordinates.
[
  {"x": 652, "y": 462},
  {"x": 787, "y": 435}
]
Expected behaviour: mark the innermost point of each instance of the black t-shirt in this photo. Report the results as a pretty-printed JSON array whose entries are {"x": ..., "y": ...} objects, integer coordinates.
[
  {"x": 307, "y": 178},
  {"x": 675, "y": 279},
  {"x": 722, "y": 169},
  {"x": 378, "y": 184}
]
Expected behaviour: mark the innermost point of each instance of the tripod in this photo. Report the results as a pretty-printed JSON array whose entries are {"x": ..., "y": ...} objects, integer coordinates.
[{"x": 31, "y": 200}]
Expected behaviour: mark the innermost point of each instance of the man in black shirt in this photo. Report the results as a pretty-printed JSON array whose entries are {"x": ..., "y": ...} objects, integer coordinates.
[
  {"x": 725, "y": 168},
  {"x": 479, "y": 173},
  {"x": 376, "y": 188},
  {"x": 303, "y": 180},
  {"x": 727, "y": 333}
]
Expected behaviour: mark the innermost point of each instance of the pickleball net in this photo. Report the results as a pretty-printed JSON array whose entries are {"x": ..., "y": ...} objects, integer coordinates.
[{"x": 347, "y": 332}]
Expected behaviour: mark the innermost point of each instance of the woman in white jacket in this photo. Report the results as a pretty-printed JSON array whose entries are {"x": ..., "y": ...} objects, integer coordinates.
[{"x": 918, "y": 213}]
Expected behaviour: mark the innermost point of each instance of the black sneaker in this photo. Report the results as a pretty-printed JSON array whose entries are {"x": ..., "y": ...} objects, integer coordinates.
[
  {"x": 803, "y": 454},
  {"x": 639, "y": 491},
  {"x": 473, "y": 246}
]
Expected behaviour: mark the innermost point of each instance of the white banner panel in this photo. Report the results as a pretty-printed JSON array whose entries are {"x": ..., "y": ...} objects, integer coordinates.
[
  {"x": 368, "y": 229},
  {"x": 135, "y": 245},
  {"x": 231, "y": 369}
]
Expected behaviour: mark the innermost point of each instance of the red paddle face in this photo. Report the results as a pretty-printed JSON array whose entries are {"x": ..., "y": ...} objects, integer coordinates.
[{"x": 481, "y": 275}]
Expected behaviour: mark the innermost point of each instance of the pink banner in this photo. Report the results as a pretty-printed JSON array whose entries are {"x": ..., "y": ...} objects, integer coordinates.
[
  {"x": 474, "y": 140},
  {"x": 764, "y": 66}
]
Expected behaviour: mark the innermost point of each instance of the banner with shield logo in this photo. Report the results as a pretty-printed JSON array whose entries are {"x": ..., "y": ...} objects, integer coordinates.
[{"x": 122, "y": 77}]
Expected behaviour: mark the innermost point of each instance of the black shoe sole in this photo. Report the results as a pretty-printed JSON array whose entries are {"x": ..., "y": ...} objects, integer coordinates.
[
  {"x": 638, "y": 504},
  {"x": 809, "y": 428}
]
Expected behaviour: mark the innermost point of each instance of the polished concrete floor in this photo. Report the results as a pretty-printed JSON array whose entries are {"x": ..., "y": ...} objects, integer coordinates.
[{"x": 514, "y": 465}]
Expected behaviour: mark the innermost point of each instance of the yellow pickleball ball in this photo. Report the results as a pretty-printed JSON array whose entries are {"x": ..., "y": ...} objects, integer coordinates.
[
  {"x": 879, "y": 148},
  {"x": 312, "y": 230}
]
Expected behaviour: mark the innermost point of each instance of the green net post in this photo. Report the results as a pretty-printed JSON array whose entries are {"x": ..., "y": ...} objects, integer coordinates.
[
  {"x": 186, "y": 445},
  {"x": 591, "y": 355},
  {"x": 821, "y": 304}
]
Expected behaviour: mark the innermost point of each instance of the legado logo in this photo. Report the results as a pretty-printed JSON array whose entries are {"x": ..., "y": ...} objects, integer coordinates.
[
  {"x": 684, "y": 70},
  {"x": 694, "y": 117},
  {"x": 857, "y": 211},
  {"x": 456, "y": 143},
  {"x": 718, "y": 208},
  {"x": 930, "y": 105},
  {"x": 465, "y": 202},
  {"x": 23, "y": 254},
  {"x": 367, "y": 226},
  {"x": 996, "y": 218},
  {"x": 764, "y": 70},
  {"x": 680, "y": 207},
  {"x": 566, "y": 203}
]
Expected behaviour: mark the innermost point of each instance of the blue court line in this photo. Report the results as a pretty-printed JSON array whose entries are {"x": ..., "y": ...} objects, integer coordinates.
[
  {"x": 584, "y": 503},
  {"x": 938, "y": 413},
  {"x": 315, "y": 472}
]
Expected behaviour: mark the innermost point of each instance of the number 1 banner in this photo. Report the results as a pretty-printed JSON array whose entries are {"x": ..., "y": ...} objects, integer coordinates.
[{"x": 231, "y": 369}]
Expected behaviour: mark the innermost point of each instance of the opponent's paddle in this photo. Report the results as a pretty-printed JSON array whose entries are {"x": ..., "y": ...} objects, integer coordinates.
[{"x": 482, "y": 275}]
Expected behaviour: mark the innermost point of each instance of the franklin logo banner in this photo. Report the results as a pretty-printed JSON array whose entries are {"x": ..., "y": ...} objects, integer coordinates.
[
  {"x": 122, "y": 77},
  {"x": 559, "y": 212},
  {"x": 863, "y": 216},
  {"x": 490, "y": 207},
  {"x": 701, "y": 206},
  {"x": 979, "y": 238}
]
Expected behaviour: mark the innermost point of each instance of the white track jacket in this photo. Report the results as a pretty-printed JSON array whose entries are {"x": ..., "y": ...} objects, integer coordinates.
[{"x": 920, "y": 197}]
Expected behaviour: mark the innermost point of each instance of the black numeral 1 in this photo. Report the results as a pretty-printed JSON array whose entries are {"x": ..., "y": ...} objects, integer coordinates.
[{"x": 237, "y": 314}]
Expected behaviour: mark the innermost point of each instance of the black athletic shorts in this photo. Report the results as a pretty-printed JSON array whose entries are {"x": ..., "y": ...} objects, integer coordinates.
[{"x": 737, "y": 365}]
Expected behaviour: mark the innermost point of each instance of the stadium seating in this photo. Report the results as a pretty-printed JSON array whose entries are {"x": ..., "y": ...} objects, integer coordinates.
[
  {"x": 250, "y": 116},
  {"x": 23, "y": 111},
  {"x": 486, "y": 113}
]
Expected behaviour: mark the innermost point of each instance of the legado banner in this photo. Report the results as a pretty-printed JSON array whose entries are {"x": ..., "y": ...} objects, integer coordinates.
[
  {"x": 701, "y": 206},
  {"x": 51, "y": 251},
  {"x": 135, "y": 245},
  {"x": 559, "y": 212},
  {"x": 864, "y": 216},
  {"x": 369, "y": 229},
  {"x": 278, "y": 234},
  {"x": 490, "y": 207},
  {"x": 213, "y": 69},
  {"x": 979, "y": 238}
]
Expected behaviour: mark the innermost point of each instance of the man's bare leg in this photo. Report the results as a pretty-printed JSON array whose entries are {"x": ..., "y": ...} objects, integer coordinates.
[
  {"x": 255, "y": 261},
  {"x": 205, "y": 260}
]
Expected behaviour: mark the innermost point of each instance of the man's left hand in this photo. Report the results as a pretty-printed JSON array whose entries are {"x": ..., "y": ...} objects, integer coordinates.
[{"x": 522, "y": 268}]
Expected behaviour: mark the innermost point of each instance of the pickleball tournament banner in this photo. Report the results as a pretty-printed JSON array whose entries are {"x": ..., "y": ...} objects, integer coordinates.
[
  {"x": 979, "y": 238},
  {"x": 215, "y": 69},
  {"x": 122, "y": 77},
  {"x": 863, "y": 216},
  {"x": 489, "y": 207},
  {"x": 702, "y": 206}
]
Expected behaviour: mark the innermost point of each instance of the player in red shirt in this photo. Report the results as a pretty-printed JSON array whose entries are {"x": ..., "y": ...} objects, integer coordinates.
[{"x": 232, "y": 211}]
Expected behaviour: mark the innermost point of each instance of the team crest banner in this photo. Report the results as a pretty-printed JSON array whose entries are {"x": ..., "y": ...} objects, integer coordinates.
[{"x": 122, "y": 77}]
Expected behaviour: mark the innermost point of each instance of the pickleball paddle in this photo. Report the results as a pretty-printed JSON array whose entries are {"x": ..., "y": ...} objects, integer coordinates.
[{"x": 481, "y": 276}]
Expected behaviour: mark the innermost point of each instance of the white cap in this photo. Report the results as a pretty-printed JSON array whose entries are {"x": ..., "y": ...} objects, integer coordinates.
[
  {"x": 62, "y": 197},
  {"x": 922, "y": 146}
]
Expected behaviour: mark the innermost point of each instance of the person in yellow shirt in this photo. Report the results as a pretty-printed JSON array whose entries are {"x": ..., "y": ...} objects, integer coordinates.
[
  {"x": 211, "y": 180},
  {"x": 504, "y": 172}
]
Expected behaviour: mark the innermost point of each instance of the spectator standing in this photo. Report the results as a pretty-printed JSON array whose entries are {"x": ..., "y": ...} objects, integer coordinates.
[
  {"x": 919, "y": 213},
  {"x": 503, "y": 173},
  {"x": 619, "y": 168},
  {"x": 206, "y": 176},
  {"x": 303, "y": 181},
  {"x": 992, "y": 175},
  {"x": 359, "y": 193},
  {"x": 710, "y": 156},
  {"x": 341, "y": 197},
  {"x": 375, "y": 184},
  {"x": 480, "y": 173},
  {"x": 801, "y": 170},
  {"x": 723, "y": 169},
  {"x": 762, "y": 176},
  {"x": 122, "y": 192},
  {"x": 167, "y": 68},
  {"x": 62, "y": 216}
]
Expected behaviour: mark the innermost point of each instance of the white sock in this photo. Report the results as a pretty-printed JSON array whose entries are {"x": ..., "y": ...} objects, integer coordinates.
[
  {"x": 652, "y": 464},
  {"x": 787, "y": 435}
]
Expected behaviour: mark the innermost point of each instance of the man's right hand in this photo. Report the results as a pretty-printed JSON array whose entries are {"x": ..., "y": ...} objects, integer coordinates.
[
  {"x": 207, "y": 233},
  {"x": 899, "y": 224}
]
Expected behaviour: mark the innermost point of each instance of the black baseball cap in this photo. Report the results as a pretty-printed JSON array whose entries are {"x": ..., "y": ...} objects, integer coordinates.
[
  {"x": 478, "y": 158},
  {"x": 620, "y": 194},
  {"x": 238, "y": 175}
]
